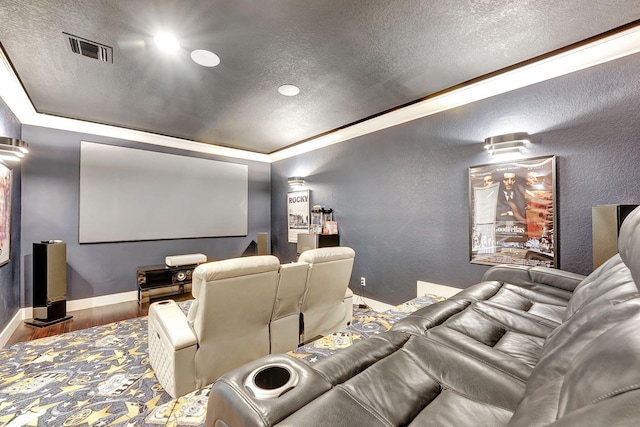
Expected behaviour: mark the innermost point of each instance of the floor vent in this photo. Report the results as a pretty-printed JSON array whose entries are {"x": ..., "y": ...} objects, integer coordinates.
[{"x": 89, "y": 49}]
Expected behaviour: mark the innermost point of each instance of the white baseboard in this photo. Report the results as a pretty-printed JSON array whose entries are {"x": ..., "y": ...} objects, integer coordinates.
[
  {"x": 423, "y": 288},
  {"x": 74, "y": 305},
  {"x": 376, "y": 305},
  {"x": 81, "y": 304},
  {"x": 12, "y": 326},
  {"x": 427, "y": 288}
]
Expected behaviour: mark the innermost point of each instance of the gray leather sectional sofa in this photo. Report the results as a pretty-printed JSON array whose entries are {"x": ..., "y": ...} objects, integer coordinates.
[{"x": 526, "y": 347}]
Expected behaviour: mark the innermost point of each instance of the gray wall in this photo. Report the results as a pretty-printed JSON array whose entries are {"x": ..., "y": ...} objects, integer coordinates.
[
  {"x": 50, "y": 202},
  {"x": 10, "y": 272},
  {"x": 400, "y": 195}
]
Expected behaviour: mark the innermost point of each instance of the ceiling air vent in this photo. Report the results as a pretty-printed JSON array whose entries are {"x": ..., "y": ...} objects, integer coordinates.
[{"x": 89, "y": 49}]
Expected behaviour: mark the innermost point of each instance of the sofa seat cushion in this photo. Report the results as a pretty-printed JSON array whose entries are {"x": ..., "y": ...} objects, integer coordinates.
[
  {"x": 445, "y": 408},
  {"x": 386, "y": 380},
  {"x": 507, "y": 338},
  {"x": 543, "y": 305},
  {"x": 542, "y": 300},
  {"x": 452, "y": 409}
]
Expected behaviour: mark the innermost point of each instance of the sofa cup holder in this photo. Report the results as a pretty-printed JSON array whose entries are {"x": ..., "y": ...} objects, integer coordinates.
[{"x": 271, "y": 381}]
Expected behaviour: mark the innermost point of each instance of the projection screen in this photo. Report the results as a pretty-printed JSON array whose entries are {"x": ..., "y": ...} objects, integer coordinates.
[{"x": 129, "y": 194}]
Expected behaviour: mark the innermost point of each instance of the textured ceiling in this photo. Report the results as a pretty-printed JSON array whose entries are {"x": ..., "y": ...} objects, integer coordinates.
[{"x": 351, "y": 59}]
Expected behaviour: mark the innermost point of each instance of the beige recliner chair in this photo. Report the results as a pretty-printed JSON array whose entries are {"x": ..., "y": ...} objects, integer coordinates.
[
  {"x": 327, "y": 305},
  {"x": 227, "y": 325}
]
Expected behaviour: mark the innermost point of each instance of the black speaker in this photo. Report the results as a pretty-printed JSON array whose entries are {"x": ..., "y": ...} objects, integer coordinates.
[{"x": 49, "y": 283}]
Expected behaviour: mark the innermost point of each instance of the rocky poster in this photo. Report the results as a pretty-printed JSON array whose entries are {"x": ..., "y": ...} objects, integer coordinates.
[{"x": 297, "y": 214}]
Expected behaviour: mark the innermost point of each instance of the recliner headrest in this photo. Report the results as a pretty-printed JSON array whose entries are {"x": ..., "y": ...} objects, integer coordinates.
[
  {"x": 314, "y": 256},
  {"x": 629, "y": 244},
  {"x": 236, "y": 267}
]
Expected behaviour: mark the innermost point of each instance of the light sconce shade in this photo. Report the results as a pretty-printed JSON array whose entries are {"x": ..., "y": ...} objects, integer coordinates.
[
  {"x": 295, "y": 181},
  {"x": 12, "y": 149},
  {"x": 512, "y": 143}
]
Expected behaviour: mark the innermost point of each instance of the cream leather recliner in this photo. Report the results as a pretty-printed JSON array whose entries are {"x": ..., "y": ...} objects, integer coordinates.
[
  {"x": 226, "y": 327},
  {"x": 327, "y": 305}
]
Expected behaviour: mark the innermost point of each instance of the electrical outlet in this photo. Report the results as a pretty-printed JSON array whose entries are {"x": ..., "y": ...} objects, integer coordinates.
[{"x": 363, "y": 282}]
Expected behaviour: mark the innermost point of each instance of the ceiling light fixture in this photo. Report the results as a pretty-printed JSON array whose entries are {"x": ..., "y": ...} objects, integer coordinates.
[
  {"x": 512, "y": 143},
  {"x": 205, "y": 58},
  {"x": 12, "y": 149},
  {"x": 166, "y": 42},
  {"x": 289, "y": 90}
]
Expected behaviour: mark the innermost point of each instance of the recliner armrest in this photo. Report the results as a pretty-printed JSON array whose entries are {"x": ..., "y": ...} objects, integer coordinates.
[{"x": 168, "y": 318}]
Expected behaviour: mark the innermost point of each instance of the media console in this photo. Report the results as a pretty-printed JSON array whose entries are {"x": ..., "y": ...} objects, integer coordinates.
[{"x": 155, "y": 281}]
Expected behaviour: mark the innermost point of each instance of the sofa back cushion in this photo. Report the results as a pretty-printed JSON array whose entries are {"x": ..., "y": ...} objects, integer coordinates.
[
  {"x": 618, "y": 278},
  {"x": 629, "y": 243},
  {"x": 611, "y": 281},
  {"x": 600, "y": 381}
]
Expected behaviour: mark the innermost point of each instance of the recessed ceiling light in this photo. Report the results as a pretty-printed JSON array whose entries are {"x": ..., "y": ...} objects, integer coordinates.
[
  {"x": 289, "y": 90},
  {"x": 205, "y": 58},
  {"x": 167, "y": 42}
]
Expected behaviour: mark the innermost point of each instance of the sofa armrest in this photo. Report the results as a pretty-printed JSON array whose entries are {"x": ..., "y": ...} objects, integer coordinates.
[
  {"x": 556, "y": 278},
  {"x": 232, "y": 403},
  {"x": 526, "y": 276}
]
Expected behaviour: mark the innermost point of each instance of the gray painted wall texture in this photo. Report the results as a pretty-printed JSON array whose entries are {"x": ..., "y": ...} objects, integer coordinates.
[
  {"x": 10, "y": 272},
  {"x": 400, "y": 195},
  {"x": 50, "y": 211}
]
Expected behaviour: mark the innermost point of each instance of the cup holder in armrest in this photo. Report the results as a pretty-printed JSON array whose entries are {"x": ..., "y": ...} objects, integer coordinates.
[{"x": 267, "y": 382}]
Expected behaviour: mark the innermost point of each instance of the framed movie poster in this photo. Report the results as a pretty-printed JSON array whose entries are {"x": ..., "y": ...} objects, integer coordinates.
[
  {"x": 5, "y": 214},
  {"x": 512, "y": 212},
  {"x": 297, "y": 214}
]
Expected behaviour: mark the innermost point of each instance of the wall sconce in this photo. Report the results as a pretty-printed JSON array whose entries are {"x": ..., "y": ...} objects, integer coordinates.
[
  {"x": 296, "y": 181},
  {"x": 12, "y": 149},
  {"x": 512, "y": 143}
]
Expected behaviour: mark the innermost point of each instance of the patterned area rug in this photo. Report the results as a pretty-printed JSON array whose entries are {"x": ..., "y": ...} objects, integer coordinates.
[{"x": 101, "y": 376}]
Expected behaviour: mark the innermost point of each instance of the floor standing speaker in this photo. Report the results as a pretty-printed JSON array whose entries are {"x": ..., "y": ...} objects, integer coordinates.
[
  {"x": 49, "y": 283},
  {"x": 263, "y": 239}
]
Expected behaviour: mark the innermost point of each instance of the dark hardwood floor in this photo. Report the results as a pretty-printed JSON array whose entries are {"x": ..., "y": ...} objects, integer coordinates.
[{"x": 87, "y": 318}]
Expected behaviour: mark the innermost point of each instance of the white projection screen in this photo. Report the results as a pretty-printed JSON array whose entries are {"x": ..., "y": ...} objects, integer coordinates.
[{"x": 129, "y": 194}]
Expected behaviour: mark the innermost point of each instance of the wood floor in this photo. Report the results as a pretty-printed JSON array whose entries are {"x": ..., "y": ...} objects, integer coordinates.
[{"x": 87, "y": 318}]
